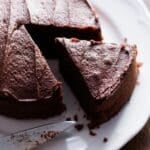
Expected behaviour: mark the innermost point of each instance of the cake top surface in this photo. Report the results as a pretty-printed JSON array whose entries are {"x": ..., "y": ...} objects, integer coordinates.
[
  {"x": 26, "y": 75},
  {"x": 62, "y": 13},
  {"x": 102, "y": 65}
]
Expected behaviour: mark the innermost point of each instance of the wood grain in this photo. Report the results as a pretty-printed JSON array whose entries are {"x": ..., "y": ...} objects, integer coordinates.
[{"x": 140, "y": 141}]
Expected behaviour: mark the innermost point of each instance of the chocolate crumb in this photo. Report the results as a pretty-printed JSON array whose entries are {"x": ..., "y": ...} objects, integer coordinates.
[
  {"x": 105, "y": 139},
  {"x": 41, "y": 136},
  {"x": 68, "y": 119},
  {"x": 92, "y": 133},
  {"x": 75, "y": 117},
  {"x": 74, "y": 40},
  {"x": 79, "y": 127},
  {"x": 49, "y": 135}
]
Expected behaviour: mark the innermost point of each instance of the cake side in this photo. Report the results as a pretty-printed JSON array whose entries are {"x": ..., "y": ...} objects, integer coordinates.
[
  {"x": 100, "y": 95},
  {"x": 120, "y": 96},
  {"x": 46, "y": 82}
]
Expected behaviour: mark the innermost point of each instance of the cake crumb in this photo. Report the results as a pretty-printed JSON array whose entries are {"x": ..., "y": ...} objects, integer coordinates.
[
  {"x": 68, "y": 119},
  {"x": 75, "y": 117},
  {"x": 79, "y": 127},
  {"x": 49, "y": 135},
  {"x": 105, "y": 140},
  {"x": 92, "y": 133}
]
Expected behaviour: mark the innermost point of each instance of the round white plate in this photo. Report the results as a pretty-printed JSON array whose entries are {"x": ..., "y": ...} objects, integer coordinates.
[{"x": 119, "y": 19}]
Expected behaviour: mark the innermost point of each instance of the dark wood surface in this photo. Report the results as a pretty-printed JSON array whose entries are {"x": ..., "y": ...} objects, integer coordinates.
[{"x": 140, "y": 141}]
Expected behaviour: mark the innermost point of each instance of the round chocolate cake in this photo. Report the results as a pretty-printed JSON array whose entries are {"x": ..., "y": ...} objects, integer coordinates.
[{"x": 102, "y": 75}]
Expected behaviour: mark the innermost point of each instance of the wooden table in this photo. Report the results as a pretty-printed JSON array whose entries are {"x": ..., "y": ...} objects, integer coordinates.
[{"x": 141, "y": 141}]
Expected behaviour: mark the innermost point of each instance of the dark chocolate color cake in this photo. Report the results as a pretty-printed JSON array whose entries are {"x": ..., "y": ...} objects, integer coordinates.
[
  {"x": 28, "y": 88},
  {"x": 102, "y": 75}
]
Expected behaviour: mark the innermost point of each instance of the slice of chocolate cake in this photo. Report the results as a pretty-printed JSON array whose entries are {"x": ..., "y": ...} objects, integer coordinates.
[
  {"x": 28, "y": 87},
  {"x": 102, "y": 75}
]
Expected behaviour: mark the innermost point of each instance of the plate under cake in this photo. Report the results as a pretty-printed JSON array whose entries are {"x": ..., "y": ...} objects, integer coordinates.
[
  {"x": 102, "y": 75},
  {"x": 28, "y": 87}
]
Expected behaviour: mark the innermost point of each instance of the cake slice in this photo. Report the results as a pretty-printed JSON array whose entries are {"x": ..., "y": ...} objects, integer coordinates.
[
  {"x": 102, "y": 75},
  {"x": 28, "y": 88}
]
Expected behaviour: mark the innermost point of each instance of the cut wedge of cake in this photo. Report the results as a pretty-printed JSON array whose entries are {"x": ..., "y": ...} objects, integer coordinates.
[
  {"x": 102, "y": 75},
  {"x": 28, "y": 87},
  {"x": 61, "y": 18}
]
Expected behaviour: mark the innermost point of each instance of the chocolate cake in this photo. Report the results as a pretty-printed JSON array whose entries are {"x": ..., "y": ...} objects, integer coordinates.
[
  {"x": 28, "y": 88},
  {"x": 102, "y": 75}
]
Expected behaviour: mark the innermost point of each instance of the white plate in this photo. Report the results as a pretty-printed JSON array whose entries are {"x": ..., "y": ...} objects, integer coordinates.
[{"x": 119, "y": 19}]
